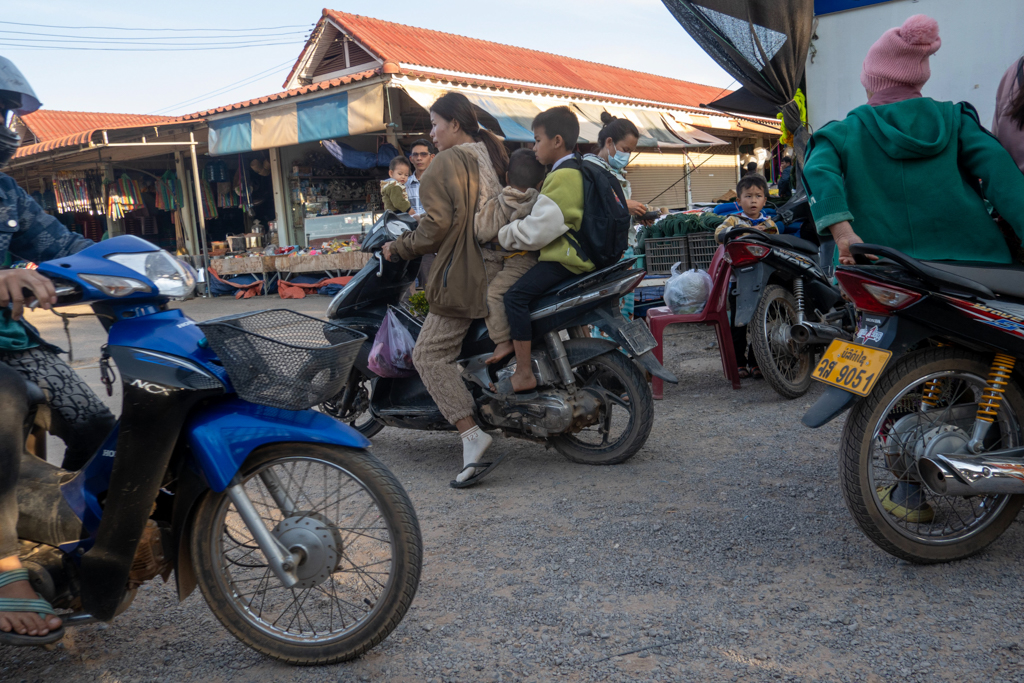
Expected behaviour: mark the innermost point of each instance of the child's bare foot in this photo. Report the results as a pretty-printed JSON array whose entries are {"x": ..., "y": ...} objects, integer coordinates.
[
  {"x": 501, "y": 351},
  {"x": 523, "y": 380},
  {"x": 25, "y": 623}
]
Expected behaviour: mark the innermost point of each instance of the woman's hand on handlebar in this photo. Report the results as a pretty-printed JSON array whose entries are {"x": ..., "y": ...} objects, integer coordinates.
[
  {"x": 12, "y": 282},
  {"x": 389, "y": 253}
]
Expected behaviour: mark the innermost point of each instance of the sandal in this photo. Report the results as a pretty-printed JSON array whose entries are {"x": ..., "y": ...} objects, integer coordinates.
[
  {"x": 475, "y": 479},
  {"x": 744, "y": 373},
  {"x": 39, "y": 606},
  {"x": 755, "y": 372}
]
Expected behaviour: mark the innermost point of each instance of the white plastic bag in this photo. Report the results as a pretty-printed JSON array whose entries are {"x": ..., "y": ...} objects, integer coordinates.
[{"x": 687, "y": 292}]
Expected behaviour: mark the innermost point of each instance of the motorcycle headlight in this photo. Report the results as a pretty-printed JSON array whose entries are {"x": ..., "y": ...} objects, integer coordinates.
[
  {"x": 169, "y": 275},
  {"x": 111, "y": 285}
]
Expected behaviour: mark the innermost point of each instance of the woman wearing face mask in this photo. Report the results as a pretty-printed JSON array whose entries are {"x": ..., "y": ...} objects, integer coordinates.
[
  {"x": 461, "y": 178},
  {"x": 615, "y": 144}
]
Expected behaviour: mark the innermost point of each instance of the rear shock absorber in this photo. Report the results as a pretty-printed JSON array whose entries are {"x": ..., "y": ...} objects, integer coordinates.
[
  {"x": 991, "y": 399},
  {"x": 798, "y": 292},
  {"x": 931, "y": 394}
]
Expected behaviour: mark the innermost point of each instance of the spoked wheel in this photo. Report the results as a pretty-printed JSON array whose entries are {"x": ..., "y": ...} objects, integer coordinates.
[
  {"x": 358, "y": 415},
  {"x": 351, "y": 526},
  {"x": 624, "y": 419},
  {"x": 783, "y": 363},
  {"x": 925, "y": 404}
]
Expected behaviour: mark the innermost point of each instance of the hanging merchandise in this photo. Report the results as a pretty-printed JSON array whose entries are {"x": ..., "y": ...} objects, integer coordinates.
[
  {"x": 168, "y": 192},
  {"x": 216, "y": 171},
  {"x": 77, "y": 192},
  {"x": 124, "y": 196},
  {"x": 209, "y": 201},
  {"x": 242, "y": 187},
  {"x": 226, "y": 197}
]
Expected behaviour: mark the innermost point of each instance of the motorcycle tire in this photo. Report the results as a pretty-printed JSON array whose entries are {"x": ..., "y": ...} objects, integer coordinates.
[
  {"x": 221, "y": 562},
  {"x": 620, "y": 376},
  {"x": 857, "y": 472},
  {"x": 787, "y": 370}
]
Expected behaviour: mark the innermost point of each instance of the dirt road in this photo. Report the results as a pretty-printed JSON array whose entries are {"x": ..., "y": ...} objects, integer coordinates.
[{"x": 722, "y": 552}]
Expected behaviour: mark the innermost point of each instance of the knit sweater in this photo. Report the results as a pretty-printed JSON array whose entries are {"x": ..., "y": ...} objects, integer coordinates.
[
  {"x": 904, "y": 175},
  {"x": 510, "y": 205},
  {"x": 558, "y": 210}
]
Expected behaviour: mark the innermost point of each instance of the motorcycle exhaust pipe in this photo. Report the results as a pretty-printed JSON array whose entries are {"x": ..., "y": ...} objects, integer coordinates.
[
  {"x": 817, "y": 333},
  {"x": 963, "y": 475}
]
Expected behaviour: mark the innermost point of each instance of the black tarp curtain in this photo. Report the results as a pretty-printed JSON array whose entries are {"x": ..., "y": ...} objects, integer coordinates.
[{"x": 763, "y": 44}]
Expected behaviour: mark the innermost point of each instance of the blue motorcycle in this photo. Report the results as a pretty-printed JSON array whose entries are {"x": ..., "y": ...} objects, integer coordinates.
[{"x": 304, "y": 545}]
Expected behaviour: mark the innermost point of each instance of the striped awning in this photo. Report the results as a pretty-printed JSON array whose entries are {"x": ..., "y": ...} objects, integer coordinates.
[{"x": 351, "y": 112}]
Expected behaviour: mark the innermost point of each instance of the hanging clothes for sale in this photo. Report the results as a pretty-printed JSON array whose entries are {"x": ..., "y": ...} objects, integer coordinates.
[
  {"x": 168, "y": 192},
  {"x": 77, "y": 192},
  {"x": 209, "y": 201}
]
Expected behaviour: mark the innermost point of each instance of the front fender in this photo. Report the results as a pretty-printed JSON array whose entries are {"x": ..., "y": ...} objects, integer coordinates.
[{"x": 222, "y": 436}]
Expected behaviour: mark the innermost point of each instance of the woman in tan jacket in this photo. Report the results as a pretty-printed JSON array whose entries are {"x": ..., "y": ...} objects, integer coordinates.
[{"x": 462, "y": 177}]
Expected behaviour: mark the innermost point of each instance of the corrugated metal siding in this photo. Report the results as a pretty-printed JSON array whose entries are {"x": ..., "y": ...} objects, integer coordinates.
[
  {"x": 715, "y": 173},
  {"x": 648, "y": 182}
]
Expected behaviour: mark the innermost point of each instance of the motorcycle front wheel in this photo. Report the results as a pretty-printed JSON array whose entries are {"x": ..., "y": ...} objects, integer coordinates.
[
  {"x": 354, "y": 531},
  {"x": 785, "y": 366},
  {"x": 926, "y": 402},
  {"x": 626, "y": 414}
]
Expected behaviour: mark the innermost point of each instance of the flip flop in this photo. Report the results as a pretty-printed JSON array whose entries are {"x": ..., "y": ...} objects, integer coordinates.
[
  {"x": 504, "y": 392},
  {"x": 744, "y": 373},
  {"x": 475, "y": 479},
  {"x": 39, "y": 606},
  {"x": 755, "y": 372}
]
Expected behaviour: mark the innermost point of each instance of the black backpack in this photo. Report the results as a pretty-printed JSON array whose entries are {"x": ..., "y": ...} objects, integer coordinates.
[{"x": 604, "y": 232}]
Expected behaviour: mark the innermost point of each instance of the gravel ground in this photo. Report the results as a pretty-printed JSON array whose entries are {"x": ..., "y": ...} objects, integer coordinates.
[{"x": 723, "y": 552}]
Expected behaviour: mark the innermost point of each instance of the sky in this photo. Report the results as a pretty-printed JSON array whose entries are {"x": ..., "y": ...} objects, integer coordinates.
[{"x": 634, "y": 34}]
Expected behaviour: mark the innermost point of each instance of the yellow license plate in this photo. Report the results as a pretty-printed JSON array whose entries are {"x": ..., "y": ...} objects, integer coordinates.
[{"x": 851, "y": 367}]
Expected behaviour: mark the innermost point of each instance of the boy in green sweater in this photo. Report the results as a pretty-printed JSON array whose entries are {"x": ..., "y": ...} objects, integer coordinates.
[
  {"x": 392, "y": 192},
  {"x": 550, "y": 229}
]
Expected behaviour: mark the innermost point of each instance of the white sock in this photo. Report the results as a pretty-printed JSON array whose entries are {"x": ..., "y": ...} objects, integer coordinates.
[{"x": 475, "y": 443}]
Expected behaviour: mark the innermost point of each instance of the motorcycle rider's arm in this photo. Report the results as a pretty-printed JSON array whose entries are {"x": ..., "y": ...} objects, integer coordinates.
[
  {"x": 36, "y": 236},
  {"x": 983, "y": 157},
  {"x": 441, "y": 204},
  {"x": 823, "y": 179}
]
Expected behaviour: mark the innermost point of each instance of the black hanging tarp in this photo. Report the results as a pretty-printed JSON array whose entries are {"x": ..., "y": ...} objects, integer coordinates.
[
  {"x": 761, "y": 43},
  {"x": 743, "y": 101}
]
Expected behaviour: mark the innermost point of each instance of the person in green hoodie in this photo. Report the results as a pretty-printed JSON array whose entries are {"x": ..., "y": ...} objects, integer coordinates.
[{"x": 909, "y": 172}]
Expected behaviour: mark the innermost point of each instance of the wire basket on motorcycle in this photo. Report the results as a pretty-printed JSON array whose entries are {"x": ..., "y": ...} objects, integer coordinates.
[{"x": 283, "y": 359}]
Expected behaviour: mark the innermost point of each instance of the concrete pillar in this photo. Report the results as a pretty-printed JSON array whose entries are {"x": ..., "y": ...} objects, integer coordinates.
[
  {"x": 282, "y": 199},
  {"x": 114, "y": 227}
]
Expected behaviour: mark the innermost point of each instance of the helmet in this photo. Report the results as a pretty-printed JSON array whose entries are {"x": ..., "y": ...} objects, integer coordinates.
[{"x": 16, "y": 96}]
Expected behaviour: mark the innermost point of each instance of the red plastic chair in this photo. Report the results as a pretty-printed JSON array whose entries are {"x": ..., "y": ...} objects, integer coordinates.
[{"x": 716, "y": 312}]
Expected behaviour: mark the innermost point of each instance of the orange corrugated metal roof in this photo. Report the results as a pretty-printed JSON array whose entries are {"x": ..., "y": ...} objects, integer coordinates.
[
  {"x": 50, "y": 124},
  {"x": 322, "y": 85},
  {"x": 432, "y": 50}
]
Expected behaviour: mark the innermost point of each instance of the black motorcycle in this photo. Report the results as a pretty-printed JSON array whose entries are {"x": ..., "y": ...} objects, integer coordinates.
[
  {"x": 786, "y": 298},
  {"x": 932, "y": 455},
  {"x": 593, "y": 403}
]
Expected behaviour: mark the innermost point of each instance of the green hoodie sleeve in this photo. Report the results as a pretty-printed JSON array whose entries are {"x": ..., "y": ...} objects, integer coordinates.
[
  {"x": 823, "y": 178},
  {"x": 1002, "y": 182}
]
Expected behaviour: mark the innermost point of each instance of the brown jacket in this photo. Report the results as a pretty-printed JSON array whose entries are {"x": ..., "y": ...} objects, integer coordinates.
[{"x": 457, "y": 286}]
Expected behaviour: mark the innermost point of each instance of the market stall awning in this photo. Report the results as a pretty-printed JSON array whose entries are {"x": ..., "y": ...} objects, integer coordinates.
[
  {"x": 693, "y": 136},
  {"x": 514, "y": 115},
  {"x": 654, "y": 127},
  {"x": 351, "y": 112}
]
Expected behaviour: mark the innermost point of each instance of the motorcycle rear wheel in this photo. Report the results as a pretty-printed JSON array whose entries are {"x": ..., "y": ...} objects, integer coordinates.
[
  {"x": 873, "y": 440},
  {"x": 361, "y": 555},
  {"x": 624, "y": 385},
  {"x": 786, "y": 368}
]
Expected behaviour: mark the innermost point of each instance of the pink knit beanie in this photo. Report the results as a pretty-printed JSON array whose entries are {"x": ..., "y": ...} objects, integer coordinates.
[{"x": 900, "y": 56}]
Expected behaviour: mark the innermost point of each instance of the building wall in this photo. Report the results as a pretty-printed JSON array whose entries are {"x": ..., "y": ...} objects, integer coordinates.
[
  {"x": 658, "y": 178},
  {"x": 980, "y": 40}
]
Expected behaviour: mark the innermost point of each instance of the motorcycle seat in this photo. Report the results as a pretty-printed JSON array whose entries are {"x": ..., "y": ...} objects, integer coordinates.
[
  {"x": 1001, "y": 278},
  {"x": 795, "y": 243},
  {"x": 585, "y": 280}
]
